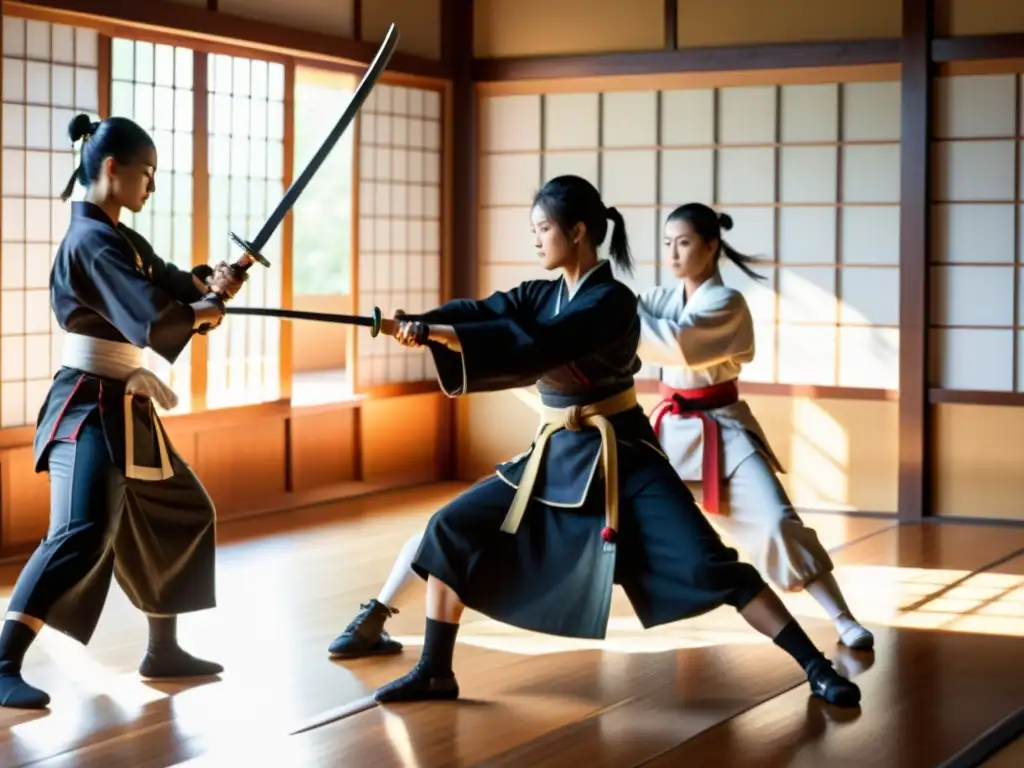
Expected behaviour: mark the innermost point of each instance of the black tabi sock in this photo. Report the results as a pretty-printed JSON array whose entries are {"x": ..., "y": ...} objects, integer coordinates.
[
  {"x": 165, "y": 658},
  {"x": 432, "y": 678},
  {"x": 163, "y": 634},
  {"x": 439, "y": 648},
  {"x": 15, "y": 639},
  {"x": 794, "y": 641}
]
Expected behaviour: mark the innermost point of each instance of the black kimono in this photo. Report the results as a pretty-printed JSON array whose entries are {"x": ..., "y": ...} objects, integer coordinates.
[
  {"x": 122, "y": 501},
  {"x": 553, "y": 571}
]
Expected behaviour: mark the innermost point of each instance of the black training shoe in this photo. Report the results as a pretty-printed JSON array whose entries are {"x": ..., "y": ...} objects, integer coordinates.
[
  {"x": 829, "y": 685},
  {"x": 418, "y": 685},
  {"x": 365, "y": 636}
]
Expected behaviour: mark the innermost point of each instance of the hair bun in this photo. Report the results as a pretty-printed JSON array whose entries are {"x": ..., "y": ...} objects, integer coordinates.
[
  {"x": 725, "y": 221},
  {"x": 80, "y": 127}
]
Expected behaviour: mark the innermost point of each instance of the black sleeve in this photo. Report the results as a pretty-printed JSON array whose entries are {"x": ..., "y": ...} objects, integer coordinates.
[
  {"x": 144, "y": 311},
  {"x": 506, "y": 352}
]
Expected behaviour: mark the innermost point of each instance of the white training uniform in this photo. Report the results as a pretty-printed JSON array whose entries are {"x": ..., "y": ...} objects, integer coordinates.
[{"x": 700, "y": 343}]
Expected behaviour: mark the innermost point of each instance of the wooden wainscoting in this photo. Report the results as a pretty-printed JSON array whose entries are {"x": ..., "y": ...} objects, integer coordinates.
[{"x": 263, "y": 458}]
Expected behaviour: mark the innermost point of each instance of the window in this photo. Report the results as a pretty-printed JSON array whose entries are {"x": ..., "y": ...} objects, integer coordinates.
[
  {"x": 152, "y": 85},
  {"x": 399, "y": 224},
  {"x": 49, "y": 75},
  {"x": 322, "y": 239},
  {"x": 246, "y": 161},
  {"x": 977, "y": 334},
  {"x": 799, "y": 176}
]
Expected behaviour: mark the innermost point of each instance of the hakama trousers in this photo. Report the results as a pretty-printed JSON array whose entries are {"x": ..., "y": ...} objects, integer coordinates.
[
  {"x": 158, "y": 538},
  {"x": 756, "y": 514},
  {"x": 555, "y": 574}
]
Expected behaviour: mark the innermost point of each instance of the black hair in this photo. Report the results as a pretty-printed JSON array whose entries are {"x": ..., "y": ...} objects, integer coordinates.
[
  {"x": 116, "y": 137},
  {"x": 709, "y": 226},
  {"x": 572, "y": 200}
]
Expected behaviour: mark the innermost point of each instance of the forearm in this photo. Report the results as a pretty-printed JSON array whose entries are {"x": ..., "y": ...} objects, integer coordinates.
[
  {"x": 171, "y": 331},
  {"x": 445, "y": 335}
]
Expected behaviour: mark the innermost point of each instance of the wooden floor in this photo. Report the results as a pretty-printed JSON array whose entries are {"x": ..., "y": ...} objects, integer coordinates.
[{"x": 946, "y": 602}]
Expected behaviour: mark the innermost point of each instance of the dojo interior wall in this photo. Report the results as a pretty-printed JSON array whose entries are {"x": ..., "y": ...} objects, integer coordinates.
[
  {"x": 275, "y": 454},
  {"x": 806, "y": 163},
  {"x": 977, "y": 310},
  {"x": 974, "y": 374}
]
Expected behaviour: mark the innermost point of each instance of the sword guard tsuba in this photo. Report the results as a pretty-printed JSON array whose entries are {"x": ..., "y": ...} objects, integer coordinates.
[
  {"x": 377, "y": 319},
  {"x": 249, "y": 250}
]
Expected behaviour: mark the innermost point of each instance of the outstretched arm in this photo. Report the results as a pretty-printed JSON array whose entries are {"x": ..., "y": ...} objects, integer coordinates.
[
  {"x": 506, "y": 352},
  {"x": 720, "y": 330}
]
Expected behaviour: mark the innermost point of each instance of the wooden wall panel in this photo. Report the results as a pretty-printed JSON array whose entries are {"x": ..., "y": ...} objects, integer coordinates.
[
  {"x": 838, "y": 454},
  {"x": 26, "y": 500},
  {"x": 332, "y": 17},
  {"x": 400, "y": 439},
  {"x": 541, "y": 27},
  {"x": 243, "y": 468},
  {"x": 978, "y": 17},
  {"x": 419, "y": 22},
  {"x": 267, "y": 458},
  {"x": 976, "y": 465},
  {"x": 752, "y": 22},
  {"x": 323, "y": 448}
]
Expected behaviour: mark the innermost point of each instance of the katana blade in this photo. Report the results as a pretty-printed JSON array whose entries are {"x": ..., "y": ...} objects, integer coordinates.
[
  {"x": 377, "y": 66},
  {"x": 373, "y": 322}
]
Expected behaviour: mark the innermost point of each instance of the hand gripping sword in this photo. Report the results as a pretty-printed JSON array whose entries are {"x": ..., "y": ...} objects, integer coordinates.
[{"x": 252, "y": 249}]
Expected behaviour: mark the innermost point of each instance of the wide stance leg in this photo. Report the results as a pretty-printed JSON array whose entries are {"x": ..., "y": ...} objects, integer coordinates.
[
  {"x": 669, "y": 549},
  {"x": 67, "y": 579},
  {"x": 462, "y": 541},
  {"x": 15, "y": 638},
  {"x": 166, "y": 659},
  {"x": 761, "y": 520},
  {"x": 432, "y": 677},
  {"x": 767, "y": 614},
  {"x": 165, "y": 549},
  {"x": 365, "y": 636}
]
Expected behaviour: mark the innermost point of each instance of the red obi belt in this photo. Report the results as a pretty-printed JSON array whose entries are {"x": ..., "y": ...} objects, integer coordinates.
[{"x": 694, "y": 403}]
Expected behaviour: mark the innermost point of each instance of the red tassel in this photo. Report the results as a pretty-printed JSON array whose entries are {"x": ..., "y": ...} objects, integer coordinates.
[{"x": 608, "y": 534}]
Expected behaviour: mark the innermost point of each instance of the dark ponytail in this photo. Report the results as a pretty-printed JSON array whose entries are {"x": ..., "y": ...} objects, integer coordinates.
[
  {"x": 709, "y": 227},
  {"x": 618, "y": 248},
  {"x": 571, "y": 200},
  {"x": 81, "y": 128},
  {"x": 116, "y": 137}
]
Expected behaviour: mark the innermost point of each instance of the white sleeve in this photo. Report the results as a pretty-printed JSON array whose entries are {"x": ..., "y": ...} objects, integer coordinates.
[
  {"x": 653, "y": 298},
  {"x": 721, "y": 330}
]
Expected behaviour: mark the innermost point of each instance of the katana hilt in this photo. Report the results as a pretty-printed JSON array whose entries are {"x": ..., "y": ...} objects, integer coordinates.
[
  {"x": 249, "y": 253},
  {"x": 421, "y": 332}
]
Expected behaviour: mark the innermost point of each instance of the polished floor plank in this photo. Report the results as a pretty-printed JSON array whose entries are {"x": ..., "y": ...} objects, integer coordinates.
[
  {"x": 928, "y": 695},
  {"x": 895, "y": 576},
  {"x": 287, "y": 584},
  {"x": 711, "y": 686},
  {"x": 536, "y": 701}
]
